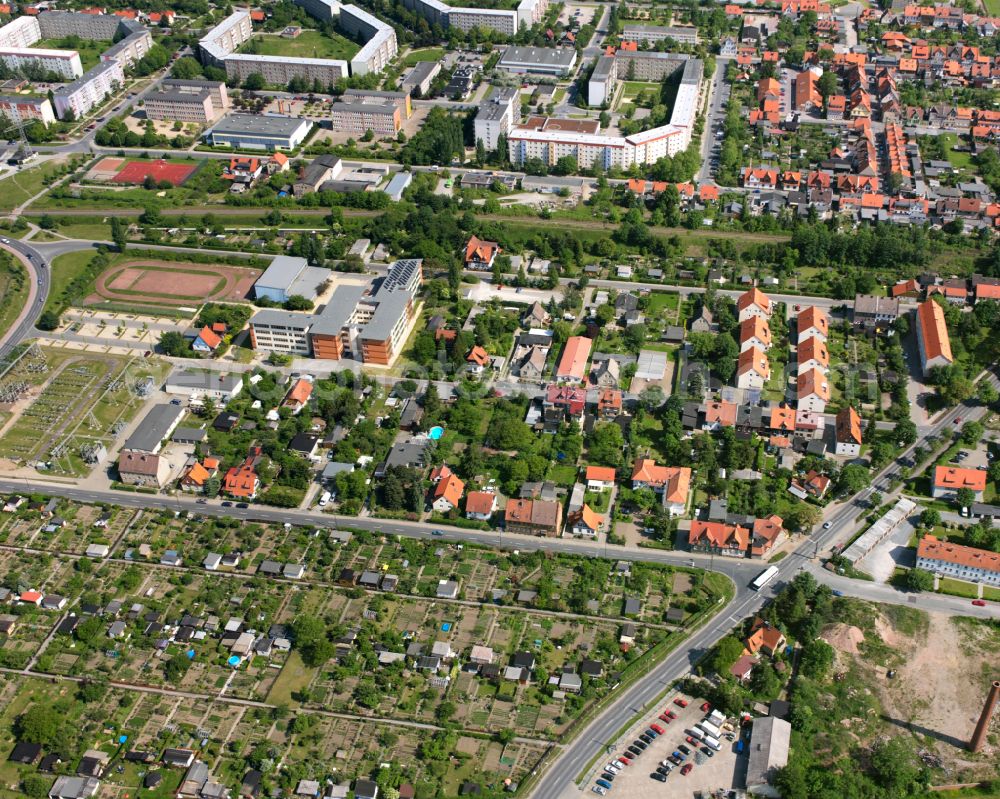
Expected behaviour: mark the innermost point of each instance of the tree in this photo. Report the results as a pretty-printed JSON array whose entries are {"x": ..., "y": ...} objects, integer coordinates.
[
  {"x": 36, "y": 786},
  {"x": 173, "y": 343},
  {"x": 918, "y": 580},
  {"x": 605, "y": 444},
  {"x": 42, "y": 724},
  {"x": 817, "y": 658},
  {"x": 651, "y": 396},
  {"x": 930, "y": 518},
  {"x": 254, "y": 82},
  {"x": 986, "y": 393},
  {"x": 47, "y": 222},
  {"x": 972, "y": 433},
  {"x": 175, "y": 668},
  {"x": 853, "y": 479},
  {"x": 906, "y": 432},
  {"x": 119, "y": 233},
  {"x": 725, "y": 654},
  {"x": 965, "y": 497},
  {"x": 186, "y": 68},
  {"x": 49, "y": 320}
]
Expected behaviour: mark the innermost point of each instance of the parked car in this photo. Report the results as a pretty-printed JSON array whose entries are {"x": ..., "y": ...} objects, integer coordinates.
[
  {"x": 607, "y": 775},
  {"x": 671, "y": 714},
  {"x": 604, "y": 784},
  {"x": 639, "y": 744},
  {"x": 657, "y": 776},
  {"x": 979, "y": 603},
  {"x": 657, "y": 729},
  {"x": 692, "y": 740},
  {"x": 684, "y": 749},
  {"x": 707, "y": 751},
  {"x": 612, "y": 768},
  {"x": 681, "y": 702},
  {"x": 600, "y": 791},
  {"x": 706, "y": 706},
  {"x": 687, "y": 769}
]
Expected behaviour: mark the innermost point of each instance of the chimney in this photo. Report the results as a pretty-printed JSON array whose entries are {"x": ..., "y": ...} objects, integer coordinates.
[{"x": 983, "y": 726}]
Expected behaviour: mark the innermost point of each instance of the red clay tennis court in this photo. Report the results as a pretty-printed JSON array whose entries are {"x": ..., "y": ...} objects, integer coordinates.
[{"x": 138, "y": 171}]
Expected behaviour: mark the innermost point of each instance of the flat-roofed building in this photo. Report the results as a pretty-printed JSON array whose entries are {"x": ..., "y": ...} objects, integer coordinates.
[
  {"x": 253, "y": 132},
  {"x": 25, "y": 110},
  {"x": 226, "y": 37},
  {"x": 419, "y": 79},
  {"x": 496, "y": 116},
  {"x": 89, "y": 90},
  {"x": 500, "y": 20},
  {"x": 770, "y": 741},
  {"x": 65, "y": 63},
  {"x": 400, "y": 99},
  {"x": 279, "y": 70},
  {"x": 199, "y": 101},
  {"x": 359, "y": 118},
  {"x": 602, "y": 82},
  {"x": 556, "y": 61},
  {"x": 380, "y": 45},
  {"x": 648, "y": 34}
]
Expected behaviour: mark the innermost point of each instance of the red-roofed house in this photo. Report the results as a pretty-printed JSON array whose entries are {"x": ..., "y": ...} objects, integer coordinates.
[
  {"x": 754, "y": 303},
  {"x": 948, "y": 480},
  {"x": 480, "y": 254},
  {"x": 477, "y": 360},
  {"x": 572, "y": 366},
  {"x": 242, "y": 481},
  {"x": 207, "y": 340},
  {"x": 600, "y": 478},
  {"x": 584, "y": 523},
  {"x": 448, "y": 494},
  {"x": 753, "y": 369},
  {"x": 812, "y": 322},
  {"x": 730, "y": 540},
  {"x": 813, "y": 390},
  {"x": 674, "y": 482},
  {"x": 764, "y": 638},
  {"x": 298, "y": 395},
  {"x": 480, "y": 505},
  {"x": 766, "y": 533}
]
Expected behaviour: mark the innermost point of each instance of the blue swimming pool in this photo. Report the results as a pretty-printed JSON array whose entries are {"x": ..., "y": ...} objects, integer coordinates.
[{"x": 435, "y": 433}]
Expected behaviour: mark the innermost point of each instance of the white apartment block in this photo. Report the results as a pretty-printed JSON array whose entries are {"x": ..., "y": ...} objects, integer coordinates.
[
  {"x": 227, "y": 37},
  {"x": 63, "y": 62},
  {"x": 25, "y": 110},
  {"x": 531, "y": 12},
  {"x": 281, "y": 331},
  {"x": 90, "y": 89},
  {"x": 497, "y": 19},
  {"x": 380, "y": 40},
  {"x": 20, "y": 33},
  {"x": 507, "y": 22},
  {"x": 278, "y": 70},
  {"x": 496, "y": 116}
]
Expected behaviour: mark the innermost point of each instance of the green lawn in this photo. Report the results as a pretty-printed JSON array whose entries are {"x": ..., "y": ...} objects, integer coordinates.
[
  {"x": 64, "y": 268},
  {"x": 22, "y": 186},
  {"x": 427, "y": 54},
  {"x": 956, "y": 159},
  {"x": 309, "y": 44},
  {"x": 992, "y": 7},
  {"x": 295, "y": 676},
  {"x": 89, "y": 231},
  {"x": 660, "y": 301},
  {"x": 13, "y": 290}
]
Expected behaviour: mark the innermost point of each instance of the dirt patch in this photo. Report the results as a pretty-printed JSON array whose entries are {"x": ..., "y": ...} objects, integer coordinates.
[
  {"x": 940, "y": 687},
  {"x": 172, "y": 283},
  {"x": 844, "y": 638}
]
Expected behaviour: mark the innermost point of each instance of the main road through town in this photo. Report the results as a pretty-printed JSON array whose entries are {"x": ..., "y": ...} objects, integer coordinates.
[{"x": 38, "y": 291}]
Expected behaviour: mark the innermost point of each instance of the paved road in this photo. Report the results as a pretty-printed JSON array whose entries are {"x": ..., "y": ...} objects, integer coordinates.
[
  {"x": 38, "y": 291},
  {"x": 718, "y": 97}
]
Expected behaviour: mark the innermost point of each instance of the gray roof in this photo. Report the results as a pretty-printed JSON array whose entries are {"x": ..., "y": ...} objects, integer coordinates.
[
  {"x": 192, "y": 84},
  {"x": 769, "y": 743},
  {"x": 332, "y": 319},
  {"x": 189, "y": 434},
  {"x": 603, "y": 69},
  {"x": 496, "y": 103},
  {"x": 544, "y": 56},
  {"x": 398, "y": 183},
  {"x": 154, "y": 427},
  {"x": 178, "y": 96},
  {"x": 274, "y": 316},
  {"x": 259, "y": 125},
  {"x": 363, "y": 108},
  {"x": 215, "y": 381},
  {"x": 71, "y": 88},
  {"x": 331, "y": 470},
  {"x": 282, "y": 272}
]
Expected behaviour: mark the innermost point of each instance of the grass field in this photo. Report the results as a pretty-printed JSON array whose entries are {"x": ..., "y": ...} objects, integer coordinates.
[
  {"x": 309, "y": 44},
  {"x": 992, "y": 7},
  {"x": 957, "y": 159},
  {"x": 427, "y": 54},
  {"x": 65, "y": 268},
  {"x": 13, "y": 290},
  {"x": 295, "y": 676},
  {"x": 91, "y": 231},
  {"x": 22, "y": 186}
]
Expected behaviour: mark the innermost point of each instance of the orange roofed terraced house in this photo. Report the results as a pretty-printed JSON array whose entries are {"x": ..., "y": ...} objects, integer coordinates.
[
  {"x": 720, "y": 414},
  {"x": 754, "y": 302},
  {"x": 753, "y": 369},
  {"x": 932, "y": 336},
  {"x": 533, "y": 517},
  {"x": 783, "y": 419},
  {"x": 812, "y": 321},
  {"x": 956, "y": 560},
  {"x": 573, "y": 364},
  {"x": 725, "y": 539},
  {"x": 755, "y": 332},
  {"x": 812, "y": 353}
]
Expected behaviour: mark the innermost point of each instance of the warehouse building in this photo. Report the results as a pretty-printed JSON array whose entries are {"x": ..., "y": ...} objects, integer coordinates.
[
  {"x": 770, "y": 739},
  {"x": 253, "y": 132},
  {"x": 557, "y": 61},
  {"x": 155, "y": 427},
  {"x": 289, "y": 276}
]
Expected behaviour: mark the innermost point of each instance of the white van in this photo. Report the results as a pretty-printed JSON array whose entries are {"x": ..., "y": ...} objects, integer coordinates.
[{"x": 324, "y": 499}]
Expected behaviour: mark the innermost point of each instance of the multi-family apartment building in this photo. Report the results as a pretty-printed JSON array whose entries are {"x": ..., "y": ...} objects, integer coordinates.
[
  {"x": 956, "y": 560},
  {"x": 549, "y": 139},
  {"x": 380, "y": 40},
  {"x": 505, "y": 21},
  {"x": 25, "y": 110},
  {"x": 65, "y": 63},
  {"x": 646, "y": 34},
  {"x": 495, "y": 116},
  {"x": 89, "y": 90}
]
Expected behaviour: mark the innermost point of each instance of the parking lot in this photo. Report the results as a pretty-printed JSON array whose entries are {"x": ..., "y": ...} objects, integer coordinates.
[{"x": 725, "y": 769}]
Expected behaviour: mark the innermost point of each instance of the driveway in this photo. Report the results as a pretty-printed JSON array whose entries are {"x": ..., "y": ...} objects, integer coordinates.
[{"x": 893, "y": 551}]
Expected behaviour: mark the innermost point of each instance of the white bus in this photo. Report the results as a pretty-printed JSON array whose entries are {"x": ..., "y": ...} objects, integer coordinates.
[
  {"x": 709, "y": 729},
  {"x": 764, "y": 578}
]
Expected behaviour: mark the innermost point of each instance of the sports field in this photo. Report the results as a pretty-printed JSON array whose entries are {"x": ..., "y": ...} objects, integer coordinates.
[
  {"x": 172, "y": 283},
  {"x": 308, "y": 44},
  {"x": 137, "y": 171}
]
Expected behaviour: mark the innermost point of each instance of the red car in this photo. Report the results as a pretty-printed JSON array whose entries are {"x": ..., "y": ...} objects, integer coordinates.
[
  {"x": 705, "y": 707},
  {"x": 657, "y": 728},
  {"x": 625, "y": 759},
  {"x": 671, "y": 714},
  {"x": 664, "y": 718},
  {"x": 691, "y": 741},
  {"x": 681, "y": 702},
  {"x": 979, "y": 603},
  {"x": 687, "y": 769}
]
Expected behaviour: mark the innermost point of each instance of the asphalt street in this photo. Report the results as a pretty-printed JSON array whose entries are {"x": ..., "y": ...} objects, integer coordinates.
[{"x": 38, "y": 276}]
